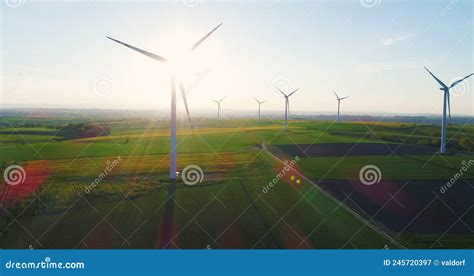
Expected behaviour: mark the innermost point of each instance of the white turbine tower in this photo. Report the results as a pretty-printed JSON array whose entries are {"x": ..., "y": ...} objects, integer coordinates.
[
  {"x": 218, "y": 102},
  {"x": 339, "y": 104},
  {"x": 287, "y": 105},
  {"x": 259, "y": 104},
  {"x": 172, "y": 174},
  {"x": 446, "y": 104}
]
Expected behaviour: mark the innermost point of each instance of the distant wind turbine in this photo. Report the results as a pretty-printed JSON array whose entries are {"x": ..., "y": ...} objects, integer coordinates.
[
  {"x": 446, "y": 104},
  {"x": 259, "y": 104},
  {"x": 172, "y": 174},
  {"x": 287, "y": 105},
  {"x": 218, "y": 102},
  {"x": 339, "y": 104}
]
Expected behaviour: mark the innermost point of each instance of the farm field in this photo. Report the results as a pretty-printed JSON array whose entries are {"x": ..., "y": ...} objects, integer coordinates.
[{"x": 317, "y": 202}]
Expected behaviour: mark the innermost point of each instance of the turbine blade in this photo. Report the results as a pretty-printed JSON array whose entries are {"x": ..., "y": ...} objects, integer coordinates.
[
  {"x": 282, "y": 92},
  {"x": 183, "y": 95},
  {"x": 336, "y": 95},
  {"x": 457, "y": 82},
  {"x": 148, "y": 54},
  {"x": 221, "y": 99},
  {"x": 440, "y": 82},
  {"x": 293, "y": 92},
  {"x": 195, "y": 45},
  {"x": 257, "y": 100},
  {"x": 344, "y": 98}
]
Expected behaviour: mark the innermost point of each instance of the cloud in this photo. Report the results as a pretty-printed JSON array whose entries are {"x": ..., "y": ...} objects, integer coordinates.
[{"x": 389, "y": 41}]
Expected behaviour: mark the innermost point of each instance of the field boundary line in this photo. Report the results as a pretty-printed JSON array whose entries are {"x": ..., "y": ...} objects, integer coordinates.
[
  {"x": 258, "y": 212},
  {"x": 352, "y": 212}
]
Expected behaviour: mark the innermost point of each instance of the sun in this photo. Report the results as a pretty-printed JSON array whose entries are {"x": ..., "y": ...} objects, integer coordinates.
[
  {"x": 181, "y": 59},
  {"x": 181, "y": 62}
]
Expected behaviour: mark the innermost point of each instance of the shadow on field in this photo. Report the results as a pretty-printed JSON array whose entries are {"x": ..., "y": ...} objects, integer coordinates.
[
  {"x": 167, "y": 224},
  {"x": 410, "y": 206}
]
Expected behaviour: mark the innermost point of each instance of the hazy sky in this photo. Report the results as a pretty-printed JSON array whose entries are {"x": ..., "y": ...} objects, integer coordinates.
[{"x": 56, "y": 53}]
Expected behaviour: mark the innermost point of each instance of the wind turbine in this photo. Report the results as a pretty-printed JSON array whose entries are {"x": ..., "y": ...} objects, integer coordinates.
[
  {"x": 446, "y": 104},
  {"x": 218, "y": 102},
  {"x": 172, "y": 174},
  {"x": 339, "y": 104},
  {"x": 287, "y": 105},
  {"x": 259, "y": 104}
]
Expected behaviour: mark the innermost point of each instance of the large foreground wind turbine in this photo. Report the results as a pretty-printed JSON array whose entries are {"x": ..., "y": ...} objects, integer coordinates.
[
  {"x": 259, "y": 104},
  {"x": 339, "y": 104},
  {"x": 446, "y": 103},
  {"x": 173, "y": 96},
  {"x": 287, "y": 105},
  {"x": 218, "y": 102}
]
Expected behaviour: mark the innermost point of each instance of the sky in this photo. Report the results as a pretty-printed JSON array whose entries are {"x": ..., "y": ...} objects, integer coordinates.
[{"x": 55, "y": 53}]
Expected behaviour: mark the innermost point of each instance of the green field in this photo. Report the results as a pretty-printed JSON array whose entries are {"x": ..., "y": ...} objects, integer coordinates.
[{"x": 130, "y": 207}]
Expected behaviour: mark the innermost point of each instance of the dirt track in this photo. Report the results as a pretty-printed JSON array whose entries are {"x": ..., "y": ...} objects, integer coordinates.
[{"x": 402, "y": 206}]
